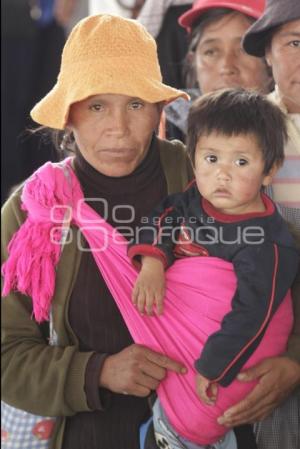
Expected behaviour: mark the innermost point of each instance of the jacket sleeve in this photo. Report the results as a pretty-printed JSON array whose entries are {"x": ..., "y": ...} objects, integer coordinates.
[
  {"x": 293, "y": 350},
  {"x": 42, "y": 379},
  {"x": 157, "y": 237},
  {"x": 264, "y": 275}
]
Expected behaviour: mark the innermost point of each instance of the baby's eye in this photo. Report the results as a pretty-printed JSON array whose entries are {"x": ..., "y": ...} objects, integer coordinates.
[
  {"x": 211, "y": 158},
  {"x": 96, "y": 107},
  {"x": 241, "y": 162}
]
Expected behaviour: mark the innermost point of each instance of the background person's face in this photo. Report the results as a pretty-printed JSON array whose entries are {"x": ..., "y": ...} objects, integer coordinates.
[
  {"x": 113, "y": 132},
  {"x": 221, "y": 61},
  {"x": 229, "y": 172},
  {"x": 283, "y": 56}
]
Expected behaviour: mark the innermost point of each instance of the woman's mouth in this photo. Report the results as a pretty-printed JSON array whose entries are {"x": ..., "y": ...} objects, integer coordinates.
[{"x": 117, "y": 152}]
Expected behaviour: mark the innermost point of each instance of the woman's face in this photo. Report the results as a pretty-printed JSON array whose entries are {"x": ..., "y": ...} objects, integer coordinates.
[
  {"x": 113, "y": 132},
  {"x": 283, "y": 55},
  {"x": 221, "y": 61}
]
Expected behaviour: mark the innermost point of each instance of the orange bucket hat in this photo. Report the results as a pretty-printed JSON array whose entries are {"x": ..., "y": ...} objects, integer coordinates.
[{"x": 104, "y": 54}]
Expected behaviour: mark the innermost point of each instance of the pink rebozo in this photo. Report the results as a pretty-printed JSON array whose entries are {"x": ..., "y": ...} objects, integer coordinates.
[{"x": 198, "y": 295}]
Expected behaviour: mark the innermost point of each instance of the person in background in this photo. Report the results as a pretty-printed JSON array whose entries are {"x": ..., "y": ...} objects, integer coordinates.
[
  {"x": 161, "y": 20},
  {"x": 215, "y": 59},
  {"x": 124, "y": 8},
  {"x": 276, "y": 36},
  {"x": 33, "y": 36},
  {"x": 69, "y": 12}
]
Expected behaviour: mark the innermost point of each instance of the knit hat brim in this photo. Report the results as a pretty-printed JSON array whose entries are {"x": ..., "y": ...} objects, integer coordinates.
[{"x": 63, "y": 95}]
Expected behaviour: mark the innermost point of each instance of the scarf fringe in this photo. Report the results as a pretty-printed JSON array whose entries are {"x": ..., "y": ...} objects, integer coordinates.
[
  {"x": 30, "y": 269},
  {"x": 34, "y": 250}
]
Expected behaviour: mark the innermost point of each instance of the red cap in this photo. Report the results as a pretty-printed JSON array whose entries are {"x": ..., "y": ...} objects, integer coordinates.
[{"x": 252, "y": 8}]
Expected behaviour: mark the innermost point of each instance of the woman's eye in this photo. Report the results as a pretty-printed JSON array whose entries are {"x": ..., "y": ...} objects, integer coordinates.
[
  {"x": 211, "y": 159},
  {"x": 210, "y": 52},
  {"x": 241, "y": 162},
  {"x": 294, "y": 44},
  {"x": 96, "y": 107},
  {"x": 136, "y": 105}
]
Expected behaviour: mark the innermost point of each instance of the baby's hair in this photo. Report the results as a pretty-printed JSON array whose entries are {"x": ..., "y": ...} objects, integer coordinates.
[{"x": 238, "y": 111}]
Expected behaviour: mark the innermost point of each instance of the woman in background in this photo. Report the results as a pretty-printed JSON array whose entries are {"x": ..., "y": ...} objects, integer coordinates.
[{"x": 276, "y": 36}]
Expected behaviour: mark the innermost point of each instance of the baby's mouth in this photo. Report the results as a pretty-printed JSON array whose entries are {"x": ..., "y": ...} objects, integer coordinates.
[{"x": 222, "y": 192}]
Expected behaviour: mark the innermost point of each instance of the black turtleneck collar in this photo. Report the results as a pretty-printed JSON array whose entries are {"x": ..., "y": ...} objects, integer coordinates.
[
  {"x": 94, "y": 182},
  {"x": 141, "y": 189}
]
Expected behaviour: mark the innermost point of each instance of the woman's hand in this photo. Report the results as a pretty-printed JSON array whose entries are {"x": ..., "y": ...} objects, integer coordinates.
[
  {"x": 277, "y": 378},
  {"x": 149, "y": 288},
  {"x": 136, "y": 370}
]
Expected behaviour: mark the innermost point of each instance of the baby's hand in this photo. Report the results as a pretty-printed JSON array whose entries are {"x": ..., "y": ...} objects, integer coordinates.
[
  {"x": 150, "y": 286},
  {"x": 206, "y": 390}
]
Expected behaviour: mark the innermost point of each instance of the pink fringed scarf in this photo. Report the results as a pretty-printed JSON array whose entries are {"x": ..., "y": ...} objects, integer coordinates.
[
  {"x": 35, "y": 248},
  {"x": 194, "y": 305}
]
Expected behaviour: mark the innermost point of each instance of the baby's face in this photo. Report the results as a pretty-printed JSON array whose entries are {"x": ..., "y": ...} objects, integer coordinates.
[{"x": 229, "y": 172}]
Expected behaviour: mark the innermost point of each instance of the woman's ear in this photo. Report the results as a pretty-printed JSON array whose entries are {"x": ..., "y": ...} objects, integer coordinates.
[{"x": 268, "y": 178}]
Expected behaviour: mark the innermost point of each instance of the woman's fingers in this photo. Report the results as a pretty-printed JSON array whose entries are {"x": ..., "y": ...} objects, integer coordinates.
[
  {"x": 276, "y": 377},
  {"x": 136, "y": 370},
  {"x": 165, "y": 362}
]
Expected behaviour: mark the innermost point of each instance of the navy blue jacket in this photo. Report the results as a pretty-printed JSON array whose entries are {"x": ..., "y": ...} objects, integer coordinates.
[{"x": 263, "y": 255}]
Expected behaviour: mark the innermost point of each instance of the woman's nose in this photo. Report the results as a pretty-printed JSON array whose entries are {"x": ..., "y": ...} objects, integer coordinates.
[
  {"x": 118, "y": 123},
  {"x": 229, "y": 63}
]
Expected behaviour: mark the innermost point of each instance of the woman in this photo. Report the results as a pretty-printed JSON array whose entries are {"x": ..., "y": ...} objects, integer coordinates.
[
  {"x": 278, "y": 40},
  {"x": 108, "y": 100},
  {"x": 215, "y": 59},
  {"x": 276, "y": 35}
]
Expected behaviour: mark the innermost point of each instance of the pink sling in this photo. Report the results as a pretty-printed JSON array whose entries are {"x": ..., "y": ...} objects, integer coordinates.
[{"x": 199, "y": 292}]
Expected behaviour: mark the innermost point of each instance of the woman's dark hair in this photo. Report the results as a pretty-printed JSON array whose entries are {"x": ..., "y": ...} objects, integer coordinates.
[
  {"x": 210, "y": 16},
  {"x": 62, "y": 140},
  {"x": 238, "y": 111}
]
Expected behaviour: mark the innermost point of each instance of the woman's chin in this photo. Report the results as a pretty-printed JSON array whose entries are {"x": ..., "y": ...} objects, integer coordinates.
[{"x": 116, "y": 169}]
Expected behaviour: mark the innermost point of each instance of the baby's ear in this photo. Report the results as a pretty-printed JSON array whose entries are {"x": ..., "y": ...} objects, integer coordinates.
[{"x": 268, "y": 178}]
